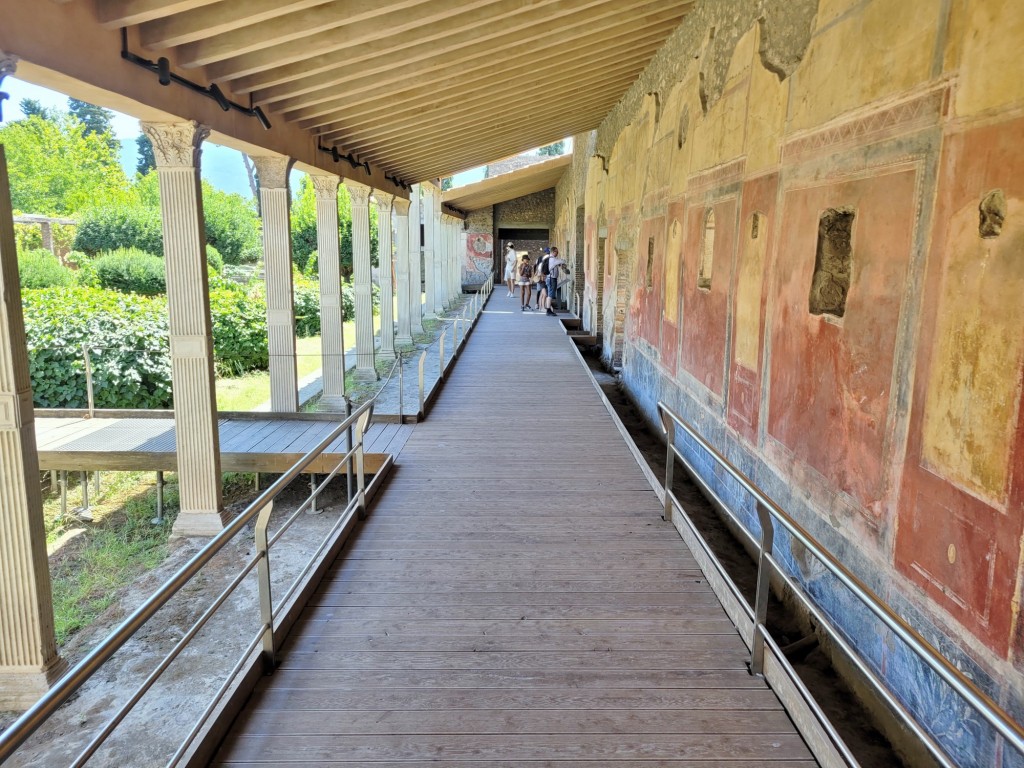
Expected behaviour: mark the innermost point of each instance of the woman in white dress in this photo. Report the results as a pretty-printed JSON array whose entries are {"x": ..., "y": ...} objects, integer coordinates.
[{"x": 510, "y": 269}]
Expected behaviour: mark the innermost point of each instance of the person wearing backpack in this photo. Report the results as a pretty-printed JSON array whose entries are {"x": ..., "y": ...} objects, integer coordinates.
[
  {"x": 525, "y": 282},
  {"x": 556, "y": 268}
]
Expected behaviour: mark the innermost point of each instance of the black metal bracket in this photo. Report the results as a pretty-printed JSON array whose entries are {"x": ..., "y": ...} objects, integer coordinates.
[
  {"x": 336, "y": 156},
  {"x": 165, "y": 76}
]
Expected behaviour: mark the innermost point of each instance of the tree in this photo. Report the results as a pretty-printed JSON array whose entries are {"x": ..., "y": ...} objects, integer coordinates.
[
  {"x": 30, "y": 107},
  {"x": 56, "y": 168},
  {"x": 553, "y": 150},
  {"x": 446, "y": 183},
  {"x": 96, "y": 120},
  {"x": 146, "y": 162}
]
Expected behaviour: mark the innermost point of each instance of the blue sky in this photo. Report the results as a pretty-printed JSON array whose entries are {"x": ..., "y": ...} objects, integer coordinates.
[{"x": 221, "y": 166}]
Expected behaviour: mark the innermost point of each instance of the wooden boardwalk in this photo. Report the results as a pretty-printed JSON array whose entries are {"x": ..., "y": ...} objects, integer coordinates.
[
  {"x": 251, "y": 443},
  {"x": 514, "y": 599}
]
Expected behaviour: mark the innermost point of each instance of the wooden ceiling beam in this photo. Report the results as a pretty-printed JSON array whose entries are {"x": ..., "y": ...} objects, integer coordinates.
[
  {"x": 429, "y": 21},
  {"x": 472, "y": 113},
  {"x": 532, "y": 27},
  {"x": 114, "y": 14},
  {"x": 347, "y": 20},
  {"x": 409, "y": 48},
  {"x": 529, "y": 126},
  {"x": 446, "y": 164},
  {"x": 219, "y": 19},
  {"x": 396, "y": 115},
  {"x": 408, "y": 91}
]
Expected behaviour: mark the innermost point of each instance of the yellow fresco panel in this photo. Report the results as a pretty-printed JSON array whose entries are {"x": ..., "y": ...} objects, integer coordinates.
[
  {"x": 748, "y": 291},
  {"x": 991, "y": 63},
  {"x": 974, "y": 389}
]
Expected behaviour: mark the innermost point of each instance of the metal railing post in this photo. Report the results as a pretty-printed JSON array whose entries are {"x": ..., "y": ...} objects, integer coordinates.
[
  {"x": 440, "y": 349},
  {"x": 361, "y": 426},
  {"x": 401, "y": 388},
  {"x": 423, "y": 360},
  {"x": 159, "y": 519},
  {"x": 88, "y": 380},
  {"x": 763, "y": 586},
  {"x": 348, "y": 465},
  {"x": 263, "y": 578},
  {"x": 669, "y": 427}
]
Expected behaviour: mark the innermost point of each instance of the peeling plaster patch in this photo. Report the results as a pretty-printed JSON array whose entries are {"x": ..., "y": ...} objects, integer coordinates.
[
  {"x": 832, "y": 263},
  {"x": 992, "y": 214}
]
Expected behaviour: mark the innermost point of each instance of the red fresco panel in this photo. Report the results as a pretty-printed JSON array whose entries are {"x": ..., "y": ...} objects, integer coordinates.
[
  {"x": 963, "y": 551},
  {"x": 830, "y": 379},
  {"x": 647, "y": 303},
  {"x": 705, "y": 311},
  {"x": 745, "y": 384}
]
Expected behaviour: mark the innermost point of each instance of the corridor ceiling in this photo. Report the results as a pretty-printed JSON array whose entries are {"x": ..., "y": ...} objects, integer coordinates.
[{"x": 420, "y": 88}]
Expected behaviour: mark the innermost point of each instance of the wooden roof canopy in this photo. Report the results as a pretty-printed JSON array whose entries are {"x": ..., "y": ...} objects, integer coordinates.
[
  {"x": 508, "y": 186},
  {"x": 420, "y": 88}
]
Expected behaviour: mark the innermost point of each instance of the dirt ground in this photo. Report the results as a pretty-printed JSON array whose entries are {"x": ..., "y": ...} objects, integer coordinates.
[{"x": 161, "y": 721}]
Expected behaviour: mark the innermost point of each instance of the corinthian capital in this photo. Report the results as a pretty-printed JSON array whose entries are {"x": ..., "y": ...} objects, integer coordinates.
[
  {"x": 359, "y": 193},
  {"x": 401, "y": 207},
  {"x": 176, "y": 145},
  {"x": 8, "y": 63},
  {"x": 325, "y": 187},
  {"x": 384, "y": 201},
  {"x": 273, "y": 170}
]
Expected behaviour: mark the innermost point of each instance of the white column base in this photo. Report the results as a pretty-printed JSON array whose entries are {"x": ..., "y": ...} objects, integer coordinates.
[
  {"x": 201, "y": 523},
  {"x": 21, "y": 687}
]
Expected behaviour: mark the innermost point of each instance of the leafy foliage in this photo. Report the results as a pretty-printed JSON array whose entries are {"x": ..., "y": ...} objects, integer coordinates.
[
  {"x": 215, "y": 260},
  {"x": 306, "y": 300},
  {"x": 127, "y": 335},
  {"x": 57, "y": 168},
  {"x": 553, "y": 150},
  {"x": 109, "y": 227},
  {"x": 232, "y": 225},
  {"x": 96, "y": 120},
  {"x": 303, "y": 223},
  {"x": 239, "y": 330},
  {"x": 131, "y": 271},
  {"x": 39, "y": 268},
  {"x": 146, "y": 161}
]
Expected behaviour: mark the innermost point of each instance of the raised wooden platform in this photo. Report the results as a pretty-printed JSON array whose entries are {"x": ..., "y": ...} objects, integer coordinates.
[
  {"x": 263, "y": 442},
  {"x": 515, "y": 599}
]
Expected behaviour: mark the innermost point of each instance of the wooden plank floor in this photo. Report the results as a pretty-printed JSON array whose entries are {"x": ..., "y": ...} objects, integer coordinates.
[
  {"x": 514, "y": 599},
  {"x": 268, "y": 444}
]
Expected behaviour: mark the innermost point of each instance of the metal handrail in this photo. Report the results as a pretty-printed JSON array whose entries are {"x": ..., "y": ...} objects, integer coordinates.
[
  {"x": 259, "y": 509},
  {"x": 768, "y": 513}
]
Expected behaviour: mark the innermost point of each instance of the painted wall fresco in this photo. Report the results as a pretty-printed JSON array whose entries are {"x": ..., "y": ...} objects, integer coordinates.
[
  {"x": 850, "y": 330},
  {"x": 478, "y": 263}
]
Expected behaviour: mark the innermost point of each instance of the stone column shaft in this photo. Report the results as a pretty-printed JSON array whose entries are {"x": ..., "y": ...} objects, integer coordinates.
[
  {"x": 402, "y": 288},
  {"x": 332, "y": 337},
  {"x": 430, "y": 286},
  {"x": 176, "y": 148},
  {"x": 28, "y": 652},
  {"x": 277, "y": 268},
  {"x": 437, "y": 243},
  {"x": 384, "y": 264},
  {"x": 362, "y": 278},
  {"x": 416, "y": 305}
]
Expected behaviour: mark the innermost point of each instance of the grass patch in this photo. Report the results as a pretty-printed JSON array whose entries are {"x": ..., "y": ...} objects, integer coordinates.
[
  {"x": 243, "y": 393},
  {"x": 119, "y": 545}
]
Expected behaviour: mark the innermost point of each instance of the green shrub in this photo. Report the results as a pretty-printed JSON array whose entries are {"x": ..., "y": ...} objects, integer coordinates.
[
  {"x": 232, "y": 225},
  {"x": 214, "y": 259},
  {"x": 127, "y": 335},
  {"x": 306, "y": 300},
  {"x": 131, "y": 271},
  {"x": 239, "y": 330},
  {"x": 39, "y": 268},
  {"x": 108, "y": 228}
]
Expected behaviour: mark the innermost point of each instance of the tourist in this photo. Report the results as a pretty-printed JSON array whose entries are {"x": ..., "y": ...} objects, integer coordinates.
[
  {"x": 540, "y": 279},
  {"x": 556, "y": 269},
  {"x": 510, "y": 269},
  {"x": 525, "y": 283}
]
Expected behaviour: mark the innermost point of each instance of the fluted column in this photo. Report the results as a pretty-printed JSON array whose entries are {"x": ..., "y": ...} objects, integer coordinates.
[
  {"x": 415, "y": 260},
  {"x": 429, "y": 204},
  {"x": 362, "y": 279},
  {"x": 444, "y": 260},
  {"x": 176, "y": 149},
  {"x": 277, "y": 270},
  {"x": 28, "y": 652},
  {"x": 438, "y": 246},
  {"x": 332, "y": 337},
  {"x": 384, "y": 266},
  {"x": 402, "y": 290}
]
